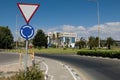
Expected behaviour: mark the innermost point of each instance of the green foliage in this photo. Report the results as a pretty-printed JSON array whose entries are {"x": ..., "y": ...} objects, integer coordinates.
[
  {"x": 96, "y": 41},
  {"x": 67, "y": 42},
  {"x": 6, "y": 38},
  {"x": 65, "y": 47},
  {"x": 109, "y": 42},
  {"x": 111, "y": 54},
  {"x": 53, "y": 46},
  {"x": 32, "y": 74},
  {"x": 40, "y": 39},
  {"x": 53, "y": 37},
  {"x": 91, "y": 42},
  {"x": 81, "y": 43}
]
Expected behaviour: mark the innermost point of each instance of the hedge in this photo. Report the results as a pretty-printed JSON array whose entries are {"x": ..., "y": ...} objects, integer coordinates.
[{"x": 111, "y": 54}]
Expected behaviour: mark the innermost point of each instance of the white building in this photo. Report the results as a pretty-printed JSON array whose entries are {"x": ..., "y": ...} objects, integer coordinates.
[{"x": 62, "y": 39}]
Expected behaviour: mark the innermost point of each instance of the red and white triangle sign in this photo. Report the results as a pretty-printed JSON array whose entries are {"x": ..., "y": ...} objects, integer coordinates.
[{"x": 27, "y": 10}]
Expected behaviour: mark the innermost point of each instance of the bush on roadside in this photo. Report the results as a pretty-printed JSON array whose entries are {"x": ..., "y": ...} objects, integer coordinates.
[
  {"x": 32, "y": 73},
  {"x": 53, "y": 46},
  {"x": 111, "y": 54}
]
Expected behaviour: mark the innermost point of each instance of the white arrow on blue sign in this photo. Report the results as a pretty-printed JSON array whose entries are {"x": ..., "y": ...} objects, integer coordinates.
[{"x": 26, "y": 31}]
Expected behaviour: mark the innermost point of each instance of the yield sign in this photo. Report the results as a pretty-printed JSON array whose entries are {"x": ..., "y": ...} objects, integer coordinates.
[{"x": 28, "y": 10}]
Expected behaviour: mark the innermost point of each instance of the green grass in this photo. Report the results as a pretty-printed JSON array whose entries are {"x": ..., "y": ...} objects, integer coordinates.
[
  {"x": 47, "y": 51},
  {"x": 61, "y": 50},
  {"x": 56, "y": 51}
]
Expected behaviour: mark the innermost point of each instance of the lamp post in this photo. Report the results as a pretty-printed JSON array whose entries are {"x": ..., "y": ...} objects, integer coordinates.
[
  {"x": 16, "y": 32},
  {"x": 98, "y": 15}
]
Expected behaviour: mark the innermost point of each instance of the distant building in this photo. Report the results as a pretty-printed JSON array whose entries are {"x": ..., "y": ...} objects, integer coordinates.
[
  {"x": 62, "y": 39},
  {"x": 117, "y": 42},
  {"x": 68, "y": 39}
]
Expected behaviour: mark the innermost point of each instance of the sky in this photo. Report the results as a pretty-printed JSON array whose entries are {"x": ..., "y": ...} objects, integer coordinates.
[{"x": 79, "y": 16}]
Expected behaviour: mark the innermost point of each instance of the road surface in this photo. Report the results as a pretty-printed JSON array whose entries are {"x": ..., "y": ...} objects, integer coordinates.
[
  {"x": 6, "y": 58},
  {"x": 91, "y": 67}
]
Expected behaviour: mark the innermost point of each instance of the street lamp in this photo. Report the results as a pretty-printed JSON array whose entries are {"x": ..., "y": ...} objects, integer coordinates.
[{"x": 98, "y": 15}]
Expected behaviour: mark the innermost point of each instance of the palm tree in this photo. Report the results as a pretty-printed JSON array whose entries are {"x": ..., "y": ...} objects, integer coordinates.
[
  {"x": 82, "y": 42},
  {"x": 91, "y": 42},
  {"x": 58, "y": 38},
  {"x": 53, "y": 38},
  {"x": 96, "y": 42},
  {"x": 109, "y": 42},
  {"x": 67, "y": 42}
]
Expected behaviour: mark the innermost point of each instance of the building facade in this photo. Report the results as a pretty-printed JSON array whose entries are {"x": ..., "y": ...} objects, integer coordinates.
[{"x": 62, "y": 39}]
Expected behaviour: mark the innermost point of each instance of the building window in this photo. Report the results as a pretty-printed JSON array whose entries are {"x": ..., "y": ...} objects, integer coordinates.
[{"x": 73, "y": 40}]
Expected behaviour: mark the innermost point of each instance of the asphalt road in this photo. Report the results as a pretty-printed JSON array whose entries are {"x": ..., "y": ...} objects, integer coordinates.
[
  {"x": 92, "y": 68},
  {"x": 7, "y": 58}
]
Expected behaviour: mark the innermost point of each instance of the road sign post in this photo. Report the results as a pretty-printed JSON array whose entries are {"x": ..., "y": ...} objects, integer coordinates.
[
  {"x": 26, "y": 56},
  {"x": 27, "y": 31}
]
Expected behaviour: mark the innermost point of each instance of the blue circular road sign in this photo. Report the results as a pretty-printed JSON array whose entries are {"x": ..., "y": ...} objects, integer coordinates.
[{"x": 26, "y": 31}]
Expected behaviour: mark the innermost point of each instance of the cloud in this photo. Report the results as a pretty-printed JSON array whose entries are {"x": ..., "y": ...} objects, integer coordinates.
[
  {"x": 111, "y": 29},
  {"x": 69, "y": 28}
]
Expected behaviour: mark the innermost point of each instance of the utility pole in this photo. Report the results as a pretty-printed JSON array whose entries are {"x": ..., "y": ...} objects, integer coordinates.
[{"x": 98, "y": 16}]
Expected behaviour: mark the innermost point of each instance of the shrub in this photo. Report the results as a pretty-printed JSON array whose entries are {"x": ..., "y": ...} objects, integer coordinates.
[
  {"x": 53, "y": 45},
  {"x": 32, "y": 73},
  {"x": 111, "y": 54}
]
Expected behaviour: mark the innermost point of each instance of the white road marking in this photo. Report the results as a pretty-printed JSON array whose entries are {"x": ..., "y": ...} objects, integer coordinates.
[
  {"x": 71, "y": 72},
  {"x": 46, "y": 67},
  {"x": 51, "y": 77},
  {"x": 46, "y": 72},
  {"x": 74, "y": 74}
]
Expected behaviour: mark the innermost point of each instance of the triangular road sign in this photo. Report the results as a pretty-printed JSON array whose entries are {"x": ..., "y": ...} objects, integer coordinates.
[{"x": 28, "y": 10}]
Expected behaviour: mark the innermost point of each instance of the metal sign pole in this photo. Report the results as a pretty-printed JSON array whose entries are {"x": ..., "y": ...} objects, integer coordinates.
[
  {"x": 27, "y": 31},
  {"x": 26, "y": 56}
]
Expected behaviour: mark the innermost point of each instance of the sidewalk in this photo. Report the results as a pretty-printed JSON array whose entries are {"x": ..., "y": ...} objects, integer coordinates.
[
  {"x": 13, "y": 67},
  {"x": 55, "y": 70}
]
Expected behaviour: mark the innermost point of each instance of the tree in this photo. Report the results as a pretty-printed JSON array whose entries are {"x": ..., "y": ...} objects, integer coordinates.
[
  {"x": 109, "y": 42},
  {"x": 67, "y": 42},
  {"x": 77, "y": 44},
  {"x": 82, "y": 42},
  {"x": 53, "y": 38},
  {"x": 6, "y": 38},
  {"x": 91, "y": 42},
  {"x": 96, "y": 42},
  {"x": 40, "y": 39},
  {"x": 58, "y": 38}
]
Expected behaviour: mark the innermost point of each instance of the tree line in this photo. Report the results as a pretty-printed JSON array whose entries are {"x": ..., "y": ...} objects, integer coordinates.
[
  {"x": 40, "y": 40},
  {"x": 6, "y": 38},
  {"x": 93, "y": 42}
]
